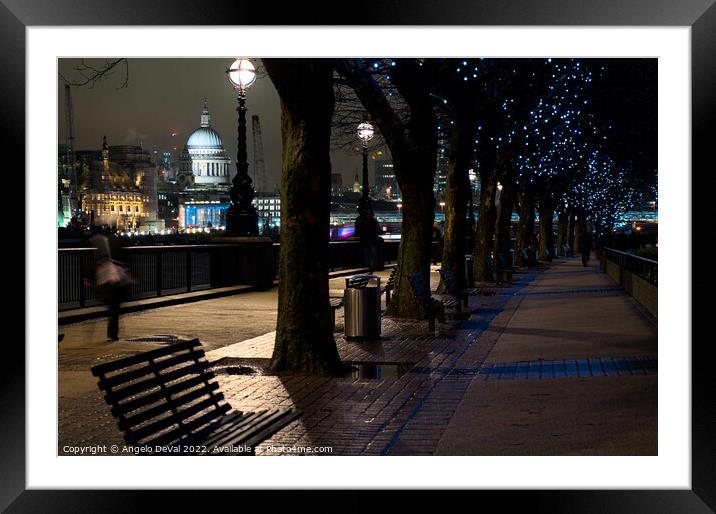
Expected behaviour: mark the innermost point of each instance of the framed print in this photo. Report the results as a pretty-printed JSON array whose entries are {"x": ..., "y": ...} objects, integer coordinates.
[{"x": 414, "y": 231}]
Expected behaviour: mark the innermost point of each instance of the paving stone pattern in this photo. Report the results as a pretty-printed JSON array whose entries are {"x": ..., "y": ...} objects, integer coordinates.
[{"x": 395, "y": 416}]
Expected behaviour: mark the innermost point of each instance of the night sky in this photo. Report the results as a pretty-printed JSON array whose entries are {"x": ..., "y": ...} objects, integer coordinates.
[{"x": 166, "y": 95}]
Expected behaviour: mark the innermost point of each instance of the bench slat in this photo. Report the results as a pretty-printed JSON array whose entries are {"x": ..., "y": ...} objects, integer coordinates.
[
  {"x": 149, "y": 398},
  {"x": 182, "y": 405},
  {"x": 116, "y": 395},
  {"x": 150, "y": 368},
  {"x": 169, "y": 404},
  {"x": 101, "y": 369}
]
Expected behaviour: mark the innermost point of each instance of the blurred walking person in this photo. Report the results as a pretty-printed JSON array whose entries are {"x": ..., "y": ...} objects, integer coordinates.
[
  {"x": 585, "y": 244},
  {"x": 112, "y": 276}
]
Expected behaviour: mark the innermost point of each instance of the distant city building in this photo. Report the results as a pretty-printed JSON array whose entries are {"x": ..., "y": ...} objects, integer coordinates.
[
  {"x": 119, "y": 189},
  {"x": 67, "y": 195},
  {"x": 356, "y": 185},
  {"x": 268, "y": 207},
  {"x": 204, "y": 161},
  {"x": 198, "y": 196},
  {"x": 384, "y": 180},
  {"x": 166, "y": 167},
  {"x": 202, "y": 209}
]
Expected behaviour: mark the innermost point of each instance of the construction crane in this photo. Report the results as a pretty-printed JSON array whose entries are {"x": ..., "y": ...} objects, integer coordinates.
[
  {"x": 259, "y": 167},
  {"x": 70, "y": 134},
  {"x": 69, "y": 127}
]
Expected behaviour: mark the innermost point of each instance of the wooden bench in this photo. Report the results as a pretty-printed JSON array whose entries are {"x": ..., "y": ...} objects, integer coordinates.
[
  {"x": 434, "y": 305},
  {"x": 168, "y": 397},
  {"x": 504, "y": 264},
  {"x": 389, "y": 286},
  {"x": 501, "y": 274},
  {"x": 529, "y": 258},
  {"x": 450, "y": 281}
]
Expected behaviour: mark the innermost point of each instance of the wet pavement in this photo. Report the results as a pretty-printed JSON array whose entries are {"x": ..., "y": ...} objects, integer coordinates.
[{"x": 412, "y": 392}]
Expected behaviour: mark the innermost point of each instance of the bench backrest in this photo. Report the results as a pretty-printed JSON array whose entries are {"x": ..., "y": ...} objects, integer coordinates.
[
  {"x": 420, "y": 288},
  {"x": 391, "y": 279},
  {"x": 162, "y": 396},
  {"x": 450, "y": 281},
  {"x": 501, "y": 261}
]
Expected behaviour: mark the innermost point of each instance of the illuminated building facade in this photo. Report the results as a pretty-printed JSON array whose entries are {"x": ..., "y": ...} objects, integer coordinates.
[
  {"x": 384, "y": 181},
  {"x": 119, "y": 189},
  {"x": 268, "y": 207},
  {"x": 204, "y": 162}
]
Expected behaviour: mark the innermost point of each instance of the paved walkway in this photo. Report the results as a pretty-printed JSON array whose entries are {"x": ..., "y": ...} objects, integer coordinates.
[
  {"x": 578, "y": 325},
  {"x": 435, "y": 394}
]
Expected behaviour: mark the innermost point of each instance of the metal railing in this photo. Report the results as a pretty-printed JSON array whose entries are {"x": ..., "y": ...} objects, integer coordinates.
[
  {"x": 644, "y": 268},
  {"x": 174, "y": 269},
  {"x": 157, "y": 271}
]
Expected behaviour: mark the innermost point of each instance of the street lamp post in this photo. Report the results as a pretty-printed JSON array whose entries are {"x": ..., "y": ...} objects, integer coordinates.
[
  {"x": 365, "y": 223},
  {"x": 241, "y": 218}
]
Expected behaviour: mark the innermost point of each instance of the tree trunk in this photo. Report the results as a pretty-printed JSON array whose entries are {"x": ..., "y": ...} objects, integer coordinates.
[
  {"x": 485, "y": 227},
  {"x": 415, "y": 247},
  {"x": 561, "y": 232},
  {"x": 456, "y": 199},
  {"x": 413, "y": 145},
  {"x": 526, "y": 227},
  {"x": 546, "y": 213},
  {"x": 304, "y": 330},
  {"x": 570, "y": 230},
  {"x": 578, "y": 228},
  {"x": 503, "y": 225}
]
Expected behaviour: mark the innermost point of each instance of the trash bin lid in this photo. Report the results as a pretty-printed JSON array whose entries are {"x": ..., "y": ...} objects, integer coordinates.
[{"x": 357, "y": 281}]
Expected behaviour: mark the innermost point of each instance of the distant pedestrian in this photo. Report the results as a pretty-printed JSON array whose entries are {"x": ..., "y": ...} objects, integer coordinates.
[
  {"x": 112, "y": 276},
  {"x": 585, "y": 245},
  {"x": 437, "y": 237}
]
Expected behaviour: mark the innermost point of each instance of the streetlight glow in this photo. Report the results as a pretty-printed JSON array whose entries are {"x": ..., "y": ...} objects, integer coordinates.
[
  {"x": 242, "y": 74},
  {"x": 365, "y": 132}
]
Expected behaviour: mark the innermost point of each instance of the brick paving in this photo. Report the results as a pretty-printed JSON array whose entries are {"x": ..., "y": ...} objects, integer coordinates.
[
  {"x": 407, "y": 415},
  {"x": 351, "y": 415}
]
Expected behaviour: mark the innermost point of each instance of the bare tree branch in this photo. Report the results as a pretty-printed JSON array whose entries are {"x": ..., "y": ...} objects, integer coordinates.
[{"x": 90, "y": 74}]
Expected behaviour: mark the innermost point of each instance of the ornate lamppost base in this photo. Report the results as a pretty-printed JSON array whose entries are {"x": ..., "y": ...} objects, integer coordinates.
[{"x": 241, "y": 224}]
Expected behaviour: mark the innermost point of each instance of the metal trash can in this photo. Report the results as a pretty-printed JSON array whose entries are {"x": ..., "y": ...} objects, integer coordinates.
[
  {"x": 362, "y": 307},
  {"x": 470, "y": 270}
]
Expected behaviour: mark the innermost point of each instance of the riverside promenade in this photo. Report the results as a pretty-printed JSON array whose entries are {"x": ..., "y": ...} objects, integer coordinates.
[{"x": 561, "y": 362}]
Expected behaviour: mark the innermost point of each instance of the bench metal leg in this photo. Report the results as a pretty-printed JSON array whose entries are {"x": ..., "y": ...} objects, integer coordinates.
[{"x": 387, "y": 296}]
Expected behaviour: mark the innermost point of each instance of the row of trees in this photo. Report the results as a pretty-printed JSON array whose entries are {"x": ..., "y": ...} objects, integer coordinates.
[
  {"x": 538, "y": 130},
  {"x": 524, "y": 126}
]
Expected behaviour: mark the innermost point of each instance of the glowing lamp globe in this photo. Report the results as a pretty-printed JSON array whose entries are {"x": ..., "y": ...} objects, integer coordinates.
[
  {"x": 242, "y": 74},
  {"x": 365, "y": 132}
]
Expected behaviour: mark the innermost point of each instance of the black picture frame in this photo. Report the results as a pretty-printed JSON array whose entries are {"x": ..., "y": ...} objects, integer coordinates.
[{"x": 700, "y": 15}]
